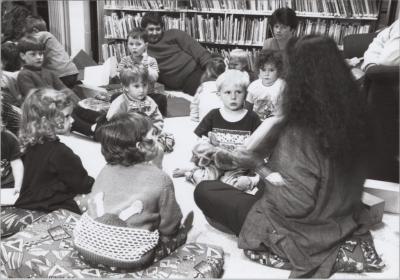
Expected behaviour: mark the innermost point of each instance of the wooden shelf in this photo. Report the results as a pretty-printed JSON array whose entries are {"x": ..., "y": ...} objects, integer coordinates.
[{"x": 241, "y": 12}]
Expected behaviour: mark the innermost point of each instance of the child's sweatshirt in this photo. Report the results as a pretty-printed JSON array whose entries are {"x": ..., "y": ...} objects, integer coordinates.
[
  {"x": 204, "y": 101},
  {"x": 122, "y": 104}
]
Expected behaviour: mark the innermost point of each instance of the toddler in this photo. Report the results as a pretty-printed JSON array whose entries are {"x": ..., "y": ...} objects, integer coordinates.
[
  {"x": 56, "y": 59},
  {"x": 53, "y": 174},
  {"x": 137, "y": 54},
  {"x": 228, "y": 128},
  {"x": 33, "y": 75},
  {"x": 284, "y": 23},
  {"x": 238, "y": 59},
  {"x": 127, "y": 144},
  {"x": 135, "y": 81},
  {"x": 206, "y": 97},
  {"x": 12, "y": 168},
  {"x": 265, "y": 93},
  {"x": 137, "y": 47}
]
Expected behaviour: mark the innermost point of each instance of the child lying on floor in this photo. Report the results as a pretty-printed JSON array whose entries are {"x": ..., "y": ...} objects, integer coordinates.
[{"x": 227, "y": 128}]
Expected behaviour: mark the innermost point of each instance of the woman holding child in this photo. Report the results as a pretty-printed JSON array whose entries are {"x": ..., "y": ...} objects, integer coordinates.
[{"x": 314, "y": 177}]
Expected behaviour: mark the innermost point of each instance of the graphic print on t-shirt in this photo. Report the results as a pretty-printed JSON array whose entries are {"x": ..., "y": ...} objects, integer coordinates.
[{"x": 230, "y": 139}]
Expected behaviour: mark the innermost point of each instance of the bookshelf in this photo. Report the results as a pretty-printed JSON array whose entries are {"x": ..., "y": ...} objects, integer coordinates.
[{"x": 221, "y": 25}]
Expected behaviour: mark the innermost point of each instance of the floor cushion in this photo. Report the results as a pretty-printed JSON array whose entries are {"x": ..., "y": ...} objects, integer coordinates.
[
  {"x": 45, "y": 249},
  {"x": 15, "y": 219},
  {"x": 356, "y": 255}
]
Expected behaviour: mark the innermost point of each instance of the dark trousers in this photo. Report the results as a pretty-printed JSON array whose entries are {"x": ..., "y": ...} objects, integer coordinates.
[
  {"x": 84, "y": 119},
  {"x": 161, "y": 101},
  {"x": 192, "y": 82},
  {"x": 70, "y": 81},
  {"x": 225, "y": 205}
]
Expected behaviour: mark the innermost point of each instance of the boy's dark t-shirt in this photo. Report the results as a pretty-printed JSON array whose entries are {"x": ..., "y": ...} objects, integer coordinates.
[
  {"x": 229, "y": 134},
  {"x": 10, "y": 151}
]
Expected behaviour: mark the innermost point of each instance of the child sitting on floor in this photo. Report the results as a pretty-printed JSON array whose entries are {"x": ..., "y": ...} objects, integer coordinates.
[
  {"x": 12, "y": 168},
  {"x": 137, "y": 47},
  {"x": 239, "y": 60},
  {"x": 227, "y": 128},
  {"x": 33, "y": 75},
  {"x": 265, "y": 93},
  {"x": 135, "y": 81},
  {"x": 56, "y": 59},
  {"x": 53, "y": 174},
  {"x": 129, "y": 192},
  {"x": 206, "y": 97},
  {"x": 128, "y": 143}
]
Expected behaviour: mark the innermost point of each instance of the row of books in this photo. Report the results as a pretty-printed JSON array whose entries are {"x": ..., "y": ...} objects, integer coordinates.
[
  {"x": 337, "y": 8},
  {"x": 252, "y": 55},
  {"x": 331, "y": 28},
  {"x": 231, "y": 29},
  {"x": 118, "y": 50}
]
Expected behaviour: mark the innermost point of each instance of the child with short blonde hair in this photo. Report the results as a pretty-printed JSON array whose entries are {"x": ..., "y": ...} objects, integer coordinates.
[
  {"x": 239, "y": 60},
  {"x": 227, "y": 128},
  {"x": 53, "y": 174}
]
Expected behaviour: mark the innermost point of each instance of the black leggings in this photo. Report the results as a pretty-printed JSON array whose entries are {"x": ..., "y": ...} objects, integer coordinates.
[{"x": 225, "y": 205}]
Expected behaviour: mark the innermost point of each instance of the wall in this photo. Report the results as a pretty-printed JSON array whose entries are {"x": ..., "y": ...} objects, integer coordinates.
[{"x": 79, "y": 21}]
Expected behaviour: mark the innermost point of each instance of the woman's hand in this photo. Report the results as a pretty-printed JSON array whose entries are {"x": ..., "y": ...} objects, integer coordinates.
[{"x": 247, "y": 159}]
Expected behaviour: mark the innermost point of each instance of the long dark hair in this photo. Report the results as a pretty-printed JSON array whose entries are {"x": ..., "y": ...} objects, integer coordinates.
[{"x": 323, "y": 96}]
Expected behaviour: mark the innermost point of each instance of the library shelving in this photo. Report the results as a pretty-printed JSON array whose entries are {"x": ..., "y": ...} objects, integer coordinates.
[{"x": 221, "y": 25}]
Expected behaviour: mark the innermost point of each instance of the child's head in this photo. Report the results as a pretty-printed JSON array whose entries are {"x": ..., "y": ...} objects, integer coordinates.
[
  {"x": 31, "y": 51},
  {"x": 238, "y": 59},
  {"x": 270, "y": 66},
  {"x": 284, "y": 22},
  {"x": 10, "y": 57},
  {"x": 232, "y": 88},
  {"x": 215, "y": 67},
  {"x": 135, "y": 81},
  {"x": 136, "y": 42},
  {"x": 34, "y": 24},
  {"x": 45, "y": 113},
  {"x": 127, "y": 139}
]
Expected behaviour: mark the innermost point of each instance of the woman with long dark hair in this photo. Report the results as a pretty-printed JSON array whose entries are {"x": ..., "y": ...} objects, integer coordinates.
[{"x": 314, "y": 176}]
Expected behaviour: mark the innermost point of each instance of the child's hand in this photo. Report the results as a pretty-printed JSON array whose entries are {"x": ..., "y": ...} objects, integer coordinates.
[
  {"x": 179, "y": 172},
  {"x": 276, "y": 179},
  {"x": 145, "y": 60},
  {"x": 243, "y": 183},
  {"x": 213, "y": 139}
]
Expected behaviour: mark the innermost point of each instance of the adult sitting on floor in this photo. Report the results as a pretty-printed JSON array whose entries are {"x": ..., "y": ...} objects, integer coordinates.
[
  {"x": 314, "y": 176},
  {"x": 181, "y": 59}
]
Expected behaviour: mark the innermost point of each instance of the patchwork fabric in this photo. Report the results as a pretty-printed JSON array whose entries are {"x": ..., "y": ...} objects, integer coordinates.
[
  {"x": 356, "y": 255},
  {"x": 15, "y": 219},
  {"x": 45, "y": 249}
]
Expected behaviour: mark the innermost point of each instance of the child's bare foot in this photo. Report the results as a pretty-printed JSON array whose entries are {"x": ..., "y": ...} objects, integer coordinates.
[{"x": 179, "y": 172}]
